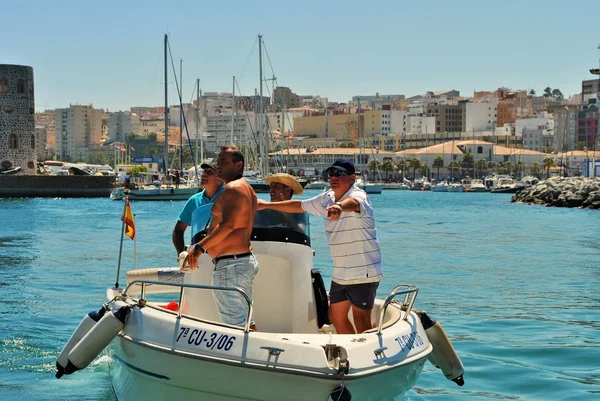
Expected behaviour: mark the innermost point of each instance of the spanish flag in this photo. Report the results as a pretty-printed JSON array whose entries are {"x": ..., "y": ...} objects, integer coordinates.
[{"x": 127, "y": 218}]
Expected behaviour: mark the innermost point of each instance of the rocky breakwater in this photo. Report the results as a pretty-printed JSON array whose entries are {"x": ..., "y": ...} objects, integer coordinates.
[{"x": 563, "y": 192}]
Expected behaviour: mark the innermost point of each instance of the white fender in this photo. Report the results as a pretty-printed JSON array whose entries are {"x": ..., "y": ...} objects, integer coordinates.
[
  {"x": 443, "y": 355},
  {"x": 84, "y": 327},
  {"x": 97, "y": 339}
]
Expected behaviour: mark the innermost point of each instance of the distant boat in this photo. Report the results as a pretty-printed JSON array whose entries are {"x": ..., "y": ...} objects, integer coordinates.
[{"x": 440, "y": 187}]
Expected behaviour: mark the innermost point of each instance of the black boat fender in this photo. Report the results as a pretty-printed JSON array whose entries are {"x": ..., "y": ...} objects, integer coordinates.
[
  {"x": 84, "y": 327},
  {"x": 443, "y": 355}
]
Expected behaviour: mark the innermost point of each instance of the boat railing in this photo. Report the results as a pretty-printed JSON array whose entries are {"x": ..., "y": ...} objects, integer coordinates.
[
  {"x": 182, "y": 288},
  {"x": 402, "y": 289}
]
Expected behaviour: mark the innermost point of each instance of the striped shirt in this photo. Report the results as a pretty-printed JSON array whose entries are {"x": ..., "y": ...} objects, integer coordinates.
[{"x": 352, "y": 239}]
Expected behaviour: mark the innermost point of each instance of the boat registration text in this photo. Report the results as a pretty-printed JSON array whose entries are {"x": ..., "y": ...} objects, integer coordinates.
[
  {"x": 203, "y": 338},
  {"x": 409, "y": 341}
]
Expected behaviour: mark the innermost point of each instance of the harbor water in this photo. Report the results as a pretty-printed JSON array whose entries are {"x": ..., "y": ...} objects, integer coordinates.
[{"x": 516, "y": 288}]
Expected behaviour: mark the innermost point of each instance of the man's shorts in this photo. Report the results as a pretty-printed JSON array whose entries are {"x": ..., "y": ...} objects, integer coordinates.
[
  {"x": 239, "y": 272},
  {"x": 360, "y": 295}
]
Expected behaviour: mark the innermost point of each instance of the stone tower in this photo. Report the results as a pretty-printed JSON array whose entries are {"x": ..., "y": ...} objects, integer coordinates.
[{"x": 17, "y": 119}]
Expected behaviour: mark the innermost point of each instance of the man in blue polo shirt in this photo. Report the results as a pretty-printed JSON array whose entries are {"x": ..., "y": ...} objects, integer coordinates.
[{"x": 197, "y": 210}]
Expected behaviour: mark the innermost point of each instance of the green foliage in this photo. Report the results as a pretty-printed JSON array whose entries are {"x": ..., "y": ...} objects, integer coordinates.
[
  {"x": 481, "y": 165},
  {"x": 374, "y": 165},
  {"x": 415, "y": 164},
  {"x": 548, "y": 163},
  {"x": 137, "y": 169},
  {"x": 467, "y": 160}
]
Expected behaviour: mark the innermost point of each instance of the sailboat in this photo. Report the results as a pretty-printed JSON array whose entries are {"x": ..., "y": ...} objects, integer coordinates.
[
  {"x": 153, "y": 192},
  {"x": 361, "y": 182}
]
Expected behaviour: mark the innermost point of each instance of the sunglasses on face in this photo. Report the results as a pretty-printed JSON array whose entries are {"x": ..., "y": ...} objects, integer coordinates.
[{"x": 336, "y": 173}]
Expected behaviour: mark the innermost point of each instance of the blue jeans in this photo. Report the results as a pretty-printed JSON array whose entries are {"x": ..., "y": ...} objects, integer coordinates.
[{"x": 240, "y": 272}]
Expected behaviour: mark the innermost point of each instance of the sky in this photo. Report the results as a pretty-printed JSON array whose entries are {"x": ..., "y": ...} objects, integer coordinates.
[{"x": 110, "y": 53}]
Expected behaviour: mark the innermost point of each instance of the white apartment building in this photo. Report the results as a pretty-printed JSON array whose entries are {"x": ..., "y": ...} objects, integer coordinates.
[
  {"x": 533, "y": 123},
  {"x": 75, "y": 129},
  {"x": 121, "y": 123},
  {"x": 481, "y": 116},
  {"x": 420, "y": 125},
  {"x": 538, "y": 139}
]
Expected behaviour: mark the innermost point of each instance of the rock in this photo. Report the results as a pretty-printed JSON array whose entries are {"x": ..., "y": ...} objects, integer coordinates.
[{"x": 563, "y": 192}]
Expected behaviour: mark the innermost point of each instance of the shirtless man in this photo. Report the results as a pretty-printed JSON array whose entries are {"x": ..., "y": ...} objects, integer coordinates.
[{"x": 228, "y": 239}]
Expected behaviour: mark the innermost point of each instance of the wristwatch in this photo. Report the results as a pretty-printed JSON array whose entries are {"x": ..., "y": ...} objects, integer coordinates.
[
  {"x": 340, "y": 205},
  {"x": 199, "y": 247}
]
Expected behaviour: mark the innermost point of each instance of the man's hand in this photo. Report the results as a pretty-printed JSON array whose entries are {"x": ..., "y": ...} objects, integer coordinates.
[
  {"x": 334, "y": 212},
  {"x": 191, "y": 259}
]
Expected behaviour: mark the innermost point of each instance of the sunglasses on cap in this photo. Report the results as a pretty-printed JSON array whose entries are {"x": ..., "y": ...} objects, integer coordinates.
[{"x": 336, "y": 173}]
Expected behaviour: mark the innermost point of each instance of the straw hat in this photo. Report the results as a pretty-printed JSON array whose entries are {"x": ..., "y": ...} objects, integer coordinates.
[{"x": 287, "y": 180}]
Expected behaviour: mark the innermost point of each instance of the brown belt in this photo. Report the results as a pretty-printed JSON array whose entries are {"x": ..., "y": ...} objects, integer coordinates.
[{"x": 231, "y": 256}]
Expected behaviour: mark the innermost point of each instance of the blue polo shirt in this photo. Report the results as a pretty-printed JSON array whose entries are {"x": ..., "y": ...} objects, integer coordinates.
[{"x": 197, "y": 210}]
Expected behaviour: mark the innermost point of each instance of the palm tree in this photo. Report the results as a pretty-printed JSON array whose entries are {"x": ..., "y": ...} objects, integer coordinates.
[
  {"x": 507, "y": 167},
  {"x": 374, "y": 165},
  {"x": 415, "y": 164},
  {"x": 535, "y": 169},
  {"x": 402, "y": 165},
  {"x": 425, "y": 169},
  {"x": 548, "y": 91},
  {"x": 532, "y": 93},
  {"x": 454, "y": 166},
  {"x": 438, "y": 163},
  {"x": 520, "y": 168},
  {"x": 557, "y": 94},
  {"x": 387, "y": 166},
  {"x": 481, "y": 164},
  {"x": 468, "y": 161},
  {"x": 548, "y": 162}
]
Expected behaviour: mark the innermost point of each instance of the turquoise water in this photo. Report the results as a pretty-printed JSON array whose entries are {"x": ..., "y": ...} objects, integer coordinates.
[{"x": 516, "y": 287}]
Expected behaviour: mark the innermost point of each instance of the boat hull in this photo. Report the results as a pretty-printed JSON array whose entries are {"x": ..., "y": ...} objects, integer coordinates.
[
  {"x": 146, "y": 373},
  {"x": 155, "y": 194}
]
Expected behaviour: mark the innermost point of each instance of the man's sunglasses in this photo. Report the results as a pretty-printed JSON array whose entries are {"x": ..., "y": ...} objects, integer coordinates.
[{"x": 335, "y": 173}]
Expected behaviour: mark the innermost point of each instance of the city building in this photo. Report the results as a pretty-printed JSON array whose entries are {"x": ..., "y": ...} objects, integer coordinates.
[
  {"x": 448, "y": 118},
  {"x": 120, "y": 124},
  {"x": 75, "y": 129}
]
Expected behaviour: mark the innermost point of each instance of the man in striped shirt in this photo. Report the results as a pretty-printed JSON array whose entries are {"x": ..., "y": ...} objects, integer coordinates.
[{"x": 353, "y": 243}]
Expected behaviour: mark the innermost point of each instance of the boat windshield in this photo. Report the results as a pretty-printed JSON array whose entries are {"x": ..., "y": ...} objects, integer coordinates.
[{"x": 273, "y": 225}]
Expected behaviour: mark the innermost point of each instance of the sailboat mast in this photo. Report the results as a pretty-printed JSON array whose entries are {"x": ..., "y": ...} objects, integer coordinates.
[
  {"x": 233, "y": 110},
  {"x": 180, "y": 114},
  {"x": 263, "y": 150},
  {"x": 202, "y": 127},
  {"x": 166, "y": 110},
  {"x": 196, "y": 120}
]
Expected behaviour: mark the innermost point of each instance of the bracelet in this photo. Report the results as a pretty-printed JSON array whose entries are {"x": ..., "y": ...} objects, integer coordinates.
[{"x": 198, "y": 246}]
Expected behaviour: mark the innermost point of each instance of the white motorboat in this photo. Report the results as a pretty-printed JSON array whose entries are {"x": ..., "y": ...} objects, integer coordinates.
[
  {"x": 161, "y": 352},
  {"x": 455, "y": 187},
  {"x": 155, "y": 192},
  {"x": 440, "y": 187},
  {"x": 473, "y": 185},
  {"x": 318, "y": 184}
]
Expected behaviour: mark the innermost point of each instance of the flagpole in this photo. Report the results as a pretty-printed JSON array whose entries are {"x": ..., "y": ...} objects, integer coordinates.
[
  {"x": 134, "y": 248},
  {"x": 121, "y": 245}
]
